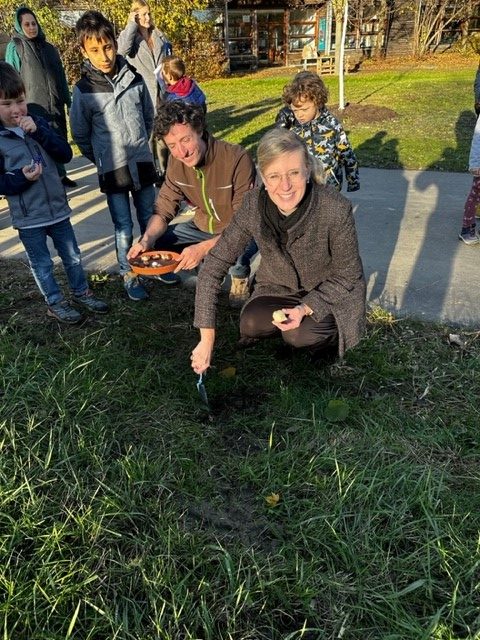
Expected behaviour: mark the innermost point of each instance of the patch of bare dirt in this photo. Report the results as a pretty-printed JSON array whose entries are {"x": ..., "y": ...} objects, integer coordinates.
[{"x": 362, "y": 113}]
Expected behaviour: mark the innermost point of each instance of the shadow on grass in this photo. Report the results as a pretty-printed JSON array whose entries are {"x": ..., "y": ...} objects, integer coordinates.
[{"x": 223, "y": 121}]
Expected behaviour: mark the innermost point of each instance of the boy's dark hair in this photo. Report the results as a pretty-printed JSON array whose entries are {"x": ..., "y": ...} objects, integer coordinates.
[
  {"x": 306, "y": 86},
  {"x": 11, "y": 84},
  {"x": 93, "y": 24},
  {"x": 178, "y": 112},
  {"x": 174, "y": 66}
]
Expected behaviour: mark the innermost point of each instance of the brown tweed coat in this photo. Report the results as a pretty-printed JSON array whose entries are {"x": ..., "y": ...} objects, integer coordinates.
[{"x": 326, "y": 268}]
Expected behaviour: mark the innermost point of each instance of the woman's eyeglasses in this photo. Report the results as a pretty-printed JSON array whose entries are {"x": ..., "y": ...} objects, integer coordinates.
[{"x": 275, "y": 179}]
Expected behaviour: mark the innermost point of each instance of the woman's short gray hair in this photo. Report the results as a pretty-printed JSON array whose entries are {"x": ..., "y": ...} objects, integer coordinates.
[{"x": 278, "y": 141}]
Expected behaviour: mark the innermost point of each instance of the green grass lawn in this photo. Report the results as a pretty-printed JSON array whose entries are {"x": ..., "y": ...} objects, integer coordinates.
[
  {"x": 431, "y": 129},
  {"x": 320, "y": 503},
  {"x": 127, "y": 514}
]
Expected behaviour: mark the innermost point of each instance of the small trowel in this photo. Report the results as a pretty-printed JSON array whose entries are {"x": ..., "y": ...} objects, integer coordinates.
[{"x": 203, "y": 394}]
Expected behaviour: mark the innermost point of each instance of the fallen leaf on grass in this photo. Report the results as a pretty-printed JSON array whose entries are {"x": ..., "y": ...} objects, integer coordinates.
[
  {"x": 273, "y": 499},
  {"x": 228, "y": 372},
  {"x": 337, "y": 410},
  {"x": 99, "y": 278}
]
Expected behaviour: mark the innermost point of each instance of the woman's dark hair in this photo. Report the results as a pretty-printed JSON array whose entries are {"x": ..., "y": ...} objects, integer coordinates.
[
  {"x": 11, "y": 84},
  {"x": 178, "y": 112},
  {"x": 306, "y": 85},
  {"x": 23, "y": 12},
  {"x": 93, "y": 24}
]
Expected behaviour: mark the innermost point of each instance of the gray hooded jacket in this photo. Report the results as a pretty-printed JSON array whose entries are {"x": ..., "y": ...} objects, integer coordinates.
[
  {"x": 111, "y": 121},
  {"x": 42, "y": 202}
]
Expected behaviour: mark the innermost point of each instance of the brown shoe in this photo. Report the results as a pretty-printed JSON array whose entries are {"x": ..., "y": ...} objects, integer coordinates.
[{"x": 239, "y": 292}]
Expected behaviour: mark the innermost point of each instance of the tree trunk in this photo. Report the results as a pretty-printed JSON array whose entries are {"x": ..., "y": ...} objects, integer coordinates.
[
  {"x": 338, "y": 35},
  {"x": 341, "y": 73}
]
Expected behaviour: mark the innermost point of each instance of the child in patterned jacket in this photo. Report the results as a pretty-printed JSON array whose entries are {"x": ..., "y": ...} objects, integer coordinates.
[
  {"x": 468, "y": 234},
  {"x": 306, "y": 115}
]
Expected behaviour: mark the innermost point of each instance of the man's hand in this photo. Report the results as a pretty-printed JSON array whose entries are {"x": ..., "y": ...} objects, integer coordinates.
[
  {"x": 192, "y": 256},
  {"x": 27, "y": 124},
  {"x": 136, "y": 249}
]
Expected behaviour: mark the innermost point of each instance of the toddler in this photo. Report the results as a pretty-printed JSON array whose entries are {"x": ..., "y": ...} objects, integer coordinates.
[{"x": 176, "y": 85}]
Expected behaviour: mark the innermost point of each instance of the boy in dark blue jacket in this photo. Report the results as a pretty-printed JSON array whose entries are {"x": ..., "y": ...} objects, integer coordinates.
[{"x": 38, "y": 204}]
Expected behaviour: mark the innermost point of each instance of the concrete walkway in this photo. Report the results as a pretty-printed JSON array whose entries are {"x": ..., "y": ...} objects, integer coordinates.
[{"x": 407, "y": 222}]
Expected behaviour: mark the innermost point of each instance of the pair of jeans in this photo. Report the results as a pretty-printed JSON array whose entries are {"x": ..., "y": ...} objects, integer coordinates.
[
  {"x": 41, "y": 264},
  {"x": 256, "y": 322},
  {"x": 121, "y": 214},
  {"x": 184, "y": 234}
]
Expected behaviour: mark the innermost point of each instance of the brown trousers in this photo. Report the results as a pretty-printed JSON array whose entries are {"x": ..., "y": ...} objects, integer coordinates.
[{"x": 256, "y": 322}]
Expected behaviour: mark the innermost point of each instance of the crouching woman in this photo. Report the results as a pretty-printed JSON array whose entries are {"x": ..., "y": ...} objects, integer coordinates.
[{"x": 310, "y": 266}]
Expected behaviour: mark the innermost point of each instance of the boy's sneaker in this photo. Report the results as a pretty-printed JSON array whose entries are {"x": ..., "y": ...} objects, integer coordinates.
[
  {"x": 469, "y": 236},
  {"x": 134, "y": 288},
  {"x": 63, "y": 312},
  {"x": 91, "y": 302},
  {"x": 239, "y": 292}
]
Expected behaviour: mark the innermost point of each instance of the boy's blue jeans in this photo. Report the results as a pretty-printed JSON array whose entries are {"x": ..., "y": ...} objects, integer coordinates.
[
  {"x": 120, "y": 212},
  {"x": 41, "y": 264},
  {"x": 184, "y": 234}
]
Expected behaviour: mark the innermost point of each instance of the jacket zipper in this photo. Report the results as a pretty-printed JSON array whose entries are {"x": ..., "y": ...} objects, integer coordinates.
[
  {"x": 22, "y": 205},
  {"x": 207, "y": 203}
]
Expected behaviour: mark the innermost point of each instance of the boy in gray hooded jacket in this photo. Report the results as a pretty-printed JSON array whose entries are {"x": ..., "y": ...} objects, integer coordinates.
[{"x": 36, "y": 197}]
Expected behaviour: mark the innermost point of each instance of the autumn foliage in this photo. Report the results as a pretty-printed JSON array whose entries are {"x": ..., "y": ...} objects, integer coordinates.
[{"x": 192, "y": 40}]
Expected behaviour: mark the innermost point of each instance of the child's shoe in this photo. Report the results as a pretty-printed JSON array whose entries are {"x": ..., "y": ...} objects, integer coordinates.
[
  {"x": 91, "y": 302},
  {"x": 468, "y": 235},
  {"x": 135, "y": 290},
  {"x": 63, "y": 312},
  {"x": 239, "y": 292},
  {"x": 168, "y": 278}
]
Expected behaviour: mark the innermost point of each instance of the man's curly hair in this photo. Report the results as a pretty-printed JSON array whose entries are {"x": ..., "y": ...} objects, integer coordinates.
[{"x": 178, "y": 112}]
